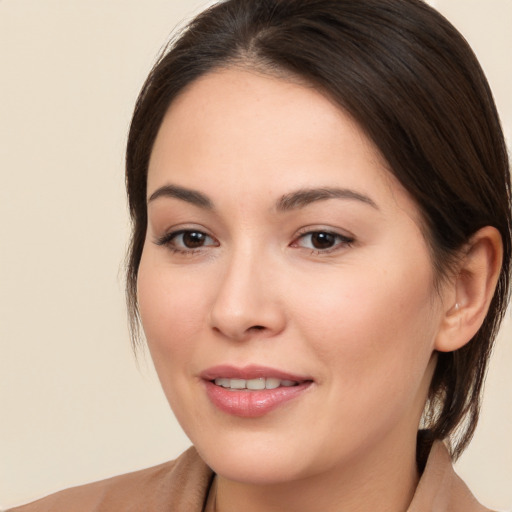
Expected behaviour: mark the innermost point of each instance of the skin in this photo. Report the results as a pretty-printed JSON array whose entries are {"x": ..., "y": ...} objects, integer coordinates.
[{"x": 361, "y": 319}]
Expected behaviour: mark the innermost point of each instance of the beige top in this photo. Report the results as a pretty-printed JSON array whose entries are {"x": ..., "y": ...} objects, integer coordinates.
[{"x": 182, "y": 486}]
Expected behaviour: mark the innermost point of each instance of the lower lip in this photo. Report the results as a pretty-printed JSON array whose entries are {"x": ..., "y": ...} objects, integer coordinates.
[{"x": 252, "y": 404}]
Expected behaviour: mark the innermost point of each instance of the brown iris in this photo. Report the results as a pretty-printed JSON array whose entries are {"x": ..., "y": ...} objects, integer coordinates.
[
  {"x": 193, "y": 239},
  {"x": 322, "y": 240}
]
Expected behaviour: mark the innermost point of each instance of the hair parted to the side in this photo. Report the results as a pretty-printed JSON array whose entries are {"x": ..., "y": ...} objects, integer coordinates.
[{"x": 411, "y": 81}]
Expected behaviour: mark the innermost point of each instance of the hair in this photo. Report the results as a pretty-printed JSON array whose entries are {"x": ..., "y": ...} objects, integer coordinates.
[{"x": 413, "y": 84}]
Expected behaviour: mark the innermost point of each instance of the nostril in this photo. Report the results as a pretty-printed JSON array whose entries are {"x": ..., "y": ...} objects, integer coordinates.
[{"x": 257, "y": 327}]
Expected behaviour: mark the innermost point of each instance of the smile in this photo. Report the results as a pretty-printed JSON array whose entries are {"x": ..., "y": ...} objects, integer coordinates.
[{"x": 252, "y": 391}]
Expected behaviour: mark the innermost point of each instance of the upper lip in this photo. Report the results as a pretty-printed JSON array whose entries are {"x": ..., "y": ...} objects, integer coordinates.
[{"x": 249, "y": 372}]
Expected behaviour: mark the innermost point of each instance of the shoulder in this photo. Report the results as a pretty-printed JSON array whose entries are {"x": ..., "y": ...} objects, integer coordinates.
[{"x": 179, "y": 485}]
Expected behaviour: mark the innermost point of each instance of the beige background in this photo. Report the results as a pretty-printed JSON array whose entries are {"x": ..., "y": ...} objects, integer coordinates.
[{"x": 74, "y": 407}]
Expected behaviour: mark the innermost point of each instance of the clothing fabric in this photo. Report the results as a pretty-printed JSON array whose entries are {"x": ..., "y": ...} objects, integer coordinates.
[{"x": 183, "y": 485}]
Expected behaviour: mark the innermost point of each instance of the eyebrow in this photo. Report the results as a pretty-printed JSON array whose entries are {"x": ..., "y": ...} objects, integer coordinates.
[
  {"x": 287, "y": 202},
  {"x": 304, "y": 197},
  {"x": 185, "y": 194}
]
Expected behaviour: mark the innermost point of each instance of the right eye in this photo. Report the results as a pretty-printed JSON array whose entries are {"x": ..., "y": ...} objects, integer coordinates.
[{"x": 187, "y": 240}]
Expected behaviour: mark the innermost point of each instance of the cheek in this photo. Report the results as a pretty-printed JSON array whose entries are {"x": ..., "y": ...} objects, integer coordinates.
[
  {"x": 373, "y": 329},
  {"x": 171, "y": 307}
]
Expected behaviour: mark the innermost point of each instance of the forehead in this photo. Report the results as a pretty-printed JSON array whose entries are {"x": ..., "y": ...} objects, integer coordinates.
[{"x": 236, "y": 131}]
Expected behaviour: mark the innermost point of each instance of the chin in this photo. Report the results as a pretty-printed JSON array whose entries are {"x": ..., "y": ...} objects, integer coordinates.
[
  {"x": 253, "y": 467},
  {"x": 253, "y": 455}
]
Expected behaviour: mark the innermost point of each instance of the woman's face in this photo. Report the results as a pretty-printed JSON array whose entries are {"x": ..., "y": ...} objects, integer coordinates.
[{"x": 281, "y": 253}]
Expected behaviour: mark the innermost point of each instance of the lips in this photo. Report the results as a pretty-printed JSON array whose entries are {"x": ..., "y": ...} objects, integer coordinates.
[{"x": 252, "y": 391}]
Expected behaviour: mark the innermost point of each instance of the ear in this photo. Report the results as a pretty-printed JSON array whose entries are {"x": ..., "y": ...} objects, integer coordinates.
[{"x": 472, "y": 290}]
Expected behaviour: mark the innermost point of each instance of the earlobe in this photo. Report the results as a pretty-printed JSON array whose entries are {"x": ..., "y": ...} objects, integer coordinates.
[{"x": 473, "y": 290}]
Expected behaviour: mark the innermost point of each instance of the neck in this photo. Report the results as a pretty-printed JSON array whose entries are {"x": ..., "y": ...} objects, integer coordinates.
[{"x": 382, "y": 482}]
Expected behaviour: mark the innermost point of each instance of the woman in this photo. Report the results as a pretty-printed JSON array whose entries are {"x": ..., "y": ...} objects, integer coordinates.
[{"x": 320, "y": 258}]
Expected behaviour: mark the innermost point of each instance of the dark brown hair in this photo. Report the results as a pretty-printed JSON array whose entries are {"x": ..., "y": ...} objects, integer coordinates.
[{"x": 411, "y": 81}]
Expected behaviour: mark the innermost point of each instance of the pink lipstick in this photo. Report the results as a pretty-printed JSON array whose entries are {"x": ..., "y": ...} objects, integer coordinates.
[{"x": 251, "y": 391}]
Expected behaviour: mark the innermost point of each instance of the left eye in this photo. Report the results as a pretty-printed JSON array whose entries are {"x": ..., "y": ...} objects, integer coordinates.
[
  {"x": 192, "y": 239},
  {"x": 322, "y": 240},
  {"x": 187, "y": 240}
]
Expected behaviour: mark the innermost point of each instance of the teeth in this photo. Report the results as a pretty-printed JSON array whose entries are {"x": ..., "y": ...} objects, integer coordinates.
[
  {"x": 237, "y": 384},
  {"x": 222, "y": 382},
  {"x": 254, "y": 384},
  {"x": 272, "y": 383}
]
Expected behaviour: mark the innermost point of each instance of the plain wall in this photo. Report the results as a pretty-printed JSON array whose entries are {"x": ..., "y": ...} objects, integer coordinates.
[{"x": 74, "y": 405}]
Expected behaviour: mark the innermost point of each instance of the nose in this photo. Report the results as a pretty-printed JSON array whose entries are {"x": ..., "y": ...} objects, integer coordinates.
[{"x": 248, "y": 301}]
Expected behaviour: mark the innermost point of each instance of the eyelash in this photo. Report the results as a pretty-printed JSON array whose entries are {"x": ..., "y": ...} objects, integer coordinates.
[{"x": 167, "y": 240}]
